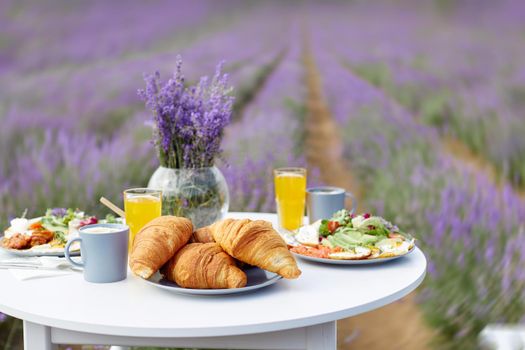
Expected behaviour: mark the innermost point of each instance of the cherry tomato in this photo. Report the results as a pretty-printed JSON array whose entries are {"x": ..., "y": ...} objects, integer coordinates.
[{"x": 332, "y": 226}]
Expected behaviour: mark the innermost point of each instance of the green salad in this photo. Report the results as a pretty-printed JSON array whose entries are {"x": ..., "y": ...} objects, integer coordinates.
[{"x": 347, "y": 236}]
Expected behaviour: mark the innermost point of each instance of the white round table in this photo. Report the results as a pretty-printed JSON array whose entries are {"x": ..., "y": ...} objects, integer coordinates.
[{"x": 291, "y": 314}]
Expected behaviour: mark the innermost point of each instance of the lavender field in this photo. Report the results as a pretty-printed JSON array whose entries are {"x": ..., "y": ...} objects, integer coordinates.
[{"x": 402, "y": 81}]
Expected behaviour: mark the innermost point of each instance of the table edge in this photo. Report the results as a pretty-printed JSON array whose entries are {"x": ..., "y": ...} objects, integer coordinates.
[{"x": 221, "y": 331}]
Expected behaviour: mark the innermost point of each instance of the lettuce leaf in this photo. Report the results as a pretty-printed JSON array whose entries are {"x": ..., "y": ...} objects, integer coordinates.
[{"x": 323, "y": 229}]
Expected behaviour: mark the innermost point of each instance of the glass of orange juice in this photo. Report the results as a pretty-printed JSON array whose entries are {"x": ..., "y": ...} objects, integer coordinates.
[
  {"x": 141, "y": 206},
  {"x": 290, "y": 194}
]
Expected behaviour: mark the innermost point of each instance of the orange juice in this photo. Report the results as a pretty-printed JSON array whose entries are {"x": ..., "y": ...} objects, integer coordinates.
[
  {"x": 140, "y": 209},
  {"x": 290, "y": 192}
]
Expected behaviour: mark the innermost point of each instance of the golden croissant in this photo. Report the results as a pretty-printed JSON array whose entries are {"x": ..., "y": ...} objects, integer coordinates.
[
  {"x": 202, "y": 235},
  {"x": 255, "y": 243},
  {"x": 157, "y": 242},
  {"x": 204, "y": 266}
]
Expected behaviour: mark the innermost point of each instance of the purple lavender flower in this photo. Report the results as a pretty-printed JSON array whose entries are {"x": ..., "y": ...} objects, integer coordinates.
[
  {"x": 189, "y": 121},
  {"x": 59, "y": 212},
  {"x": 3, "y": 317}
]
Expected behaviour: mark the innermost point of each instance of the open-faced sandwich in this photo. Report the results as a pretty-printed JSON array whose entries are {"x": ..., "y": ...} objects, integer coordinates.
[
  {"x": 348, "y": 237},
  {"x": 49, "y": 231}
]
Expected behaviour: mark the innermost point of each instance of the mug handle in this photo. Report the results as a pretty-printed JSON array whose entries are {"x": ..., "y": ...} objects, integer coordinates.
[
  {"x": 354, "y": 202},
  {"x": 68, "y": 256}
]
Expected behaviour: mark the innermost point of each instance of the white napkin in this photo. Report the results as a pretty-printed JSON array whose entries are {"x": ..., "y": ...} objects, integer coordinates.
[
  {"x": 54, "y": 267},
  {"x": 24, "y": 275}
]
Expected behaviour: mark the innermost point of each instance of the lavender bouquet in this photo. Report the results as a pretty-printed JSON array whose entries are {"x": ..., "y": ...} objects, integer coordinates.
[
  {"x": 189, "y": 124},
  {"x": 189, "y": 121}
]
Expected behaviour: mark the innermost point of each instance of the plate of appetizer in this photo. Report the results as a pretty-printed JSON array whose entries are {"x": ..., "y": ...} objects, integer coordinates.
[
  {"x": 46, "y": 235},
  {"x": 228, "y": 257},
  {"x": 347, "y": 239}
]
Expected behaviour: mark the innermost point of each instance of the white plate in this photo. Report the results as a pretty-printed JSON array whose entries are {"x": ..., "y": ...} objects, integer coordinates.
[
  {"x": 257, "y": 278},
  {"x": 352, "y": 262},
  {"x": 36, "y": 251}
]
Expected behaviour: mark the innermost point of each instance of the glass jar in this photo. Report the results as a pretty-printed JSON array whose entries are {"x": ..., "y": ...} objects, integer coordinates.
[{"x": 199, "y": 194}]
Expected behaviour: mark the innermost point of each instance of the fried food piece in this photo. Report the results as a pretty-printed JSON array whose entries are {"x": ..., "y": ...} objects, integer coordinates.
[
  {"x": 37, "y": 240},
  {"x": 17, "y": 241},
  {"x": 41, "y": 237},
  {"x": 47, "y": 235}
]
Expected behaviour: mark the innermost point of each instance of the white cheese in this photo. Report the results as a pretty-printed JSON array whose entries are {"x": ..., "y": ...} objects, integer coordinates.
[
  {"x": 309, "y": 234},
  {"x": 18, "y": 225},
  {"x": 358, "y": 220}
]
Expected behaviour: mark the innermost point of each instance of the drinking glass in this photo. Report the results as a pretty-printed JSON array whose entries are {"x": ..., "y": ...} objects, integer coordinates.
[
  {"x": 141, "y": 206},
  {"x": 290, "y": 193}
]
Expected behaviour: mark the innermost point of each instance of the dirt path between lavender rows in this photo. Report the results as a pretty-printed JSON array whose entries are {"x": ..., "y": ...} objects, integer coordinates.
[
  {"x": 457, "y": 149},
  {"x": 476, "y": 163},
  {"x": 399, "y": 325}
]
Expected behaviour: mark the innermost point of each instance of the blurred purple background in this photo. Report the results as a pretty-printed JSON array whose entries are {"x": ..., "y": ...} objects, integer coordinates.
[{"x": 428, "y": 98}]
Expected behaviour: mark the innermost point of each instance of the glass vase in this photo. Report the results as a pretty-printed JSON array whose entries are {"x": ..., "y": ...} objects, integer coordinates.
[{"x": 199, "y": 194}]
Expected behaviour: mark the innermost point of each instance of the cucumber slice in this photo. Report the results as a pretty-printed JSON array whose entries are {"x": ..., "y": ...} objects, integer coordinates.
[{"x": 326, "y": 242}]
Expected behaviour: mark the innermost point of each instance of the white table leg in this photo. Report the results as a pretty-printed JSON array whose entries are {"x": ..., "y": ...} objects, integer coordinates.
[
  {"x": 322, "y": 336},
  {"x": 37, "y": 337}
]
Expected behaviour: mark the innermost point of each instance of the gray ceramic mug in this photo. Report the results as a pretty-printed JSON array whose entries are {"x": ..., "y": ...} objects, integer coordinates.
[
  {"x": 104, "y": 251},
  {"x": 323, "y": 201}
]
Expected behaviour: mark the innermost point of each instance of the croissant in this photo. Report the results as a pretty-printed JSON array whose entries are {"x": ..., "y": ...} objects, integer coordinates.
[
  {"x": 204, "y": 266},
  {"x": 157, "y": 242},
  {"x": 255, "y": 243},
  {"x": 202, "y": 235}
]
